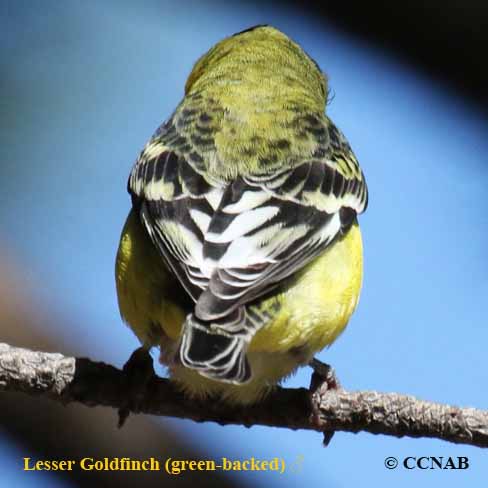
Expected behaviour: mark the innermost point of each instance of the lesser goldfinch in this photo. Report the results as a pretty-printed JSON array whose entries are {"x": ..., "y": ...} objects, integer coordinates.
[{"x": 242, "y": 255}]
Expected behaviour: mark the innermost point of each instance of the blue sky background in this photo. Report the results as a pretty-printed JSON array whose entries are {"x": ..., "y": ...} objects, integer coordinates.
[{"x": 88, "y": 83}]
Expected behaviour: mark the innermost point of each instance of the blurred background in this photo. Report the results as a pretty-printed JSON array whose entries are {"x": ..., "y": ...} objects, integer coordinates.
[{"x": 84, "y": 84}]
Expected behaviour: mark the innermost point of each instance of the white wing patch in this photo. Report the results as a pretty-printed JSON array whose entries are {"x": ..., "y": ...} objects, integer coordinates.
[
  {"x": 248, "y": 201},
  {"x": 214, "y": 197},
  {"x": 201, "y": 219},
  {"x": 243, "y": 223}
]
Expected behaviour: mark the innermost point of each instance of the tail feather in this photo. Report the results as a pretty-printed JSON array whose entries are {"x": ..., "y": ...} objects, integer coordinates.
[{"x": 218, "y": 355}]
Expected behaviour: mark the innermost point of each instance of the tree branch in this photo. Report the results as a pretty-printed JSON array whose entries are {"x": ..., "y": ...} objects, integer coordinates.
[{"x": 68, "y": 379}]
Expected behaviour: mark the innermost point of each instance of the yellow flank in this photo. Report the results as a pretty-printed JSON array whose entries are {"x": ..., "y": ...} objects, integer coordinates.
[
  {"x": 307, "y": 314},
  {"x": 316, "y": 305},
  {"x": 146, "y": 290}
]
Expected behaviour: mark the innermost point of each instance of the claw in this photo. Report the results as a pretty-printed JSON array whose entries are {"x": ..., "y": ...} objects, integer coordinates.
[
  {"x": 323, "y": 376},
  {"x": 323, "y": 379},
  {"x": 138, "y": 372}
]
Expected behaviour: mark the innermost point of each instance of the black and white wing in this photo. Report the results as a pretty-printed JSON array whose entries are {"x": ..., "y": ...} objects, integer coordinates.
[{"x": 231, "y": 242}]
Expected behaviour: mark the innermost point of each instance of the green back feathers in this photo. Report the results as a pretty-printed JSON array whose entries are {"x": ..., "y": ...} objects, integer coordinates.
[
  {"x": 249, "y": 102},
  {"x": 262, "y": 60}
]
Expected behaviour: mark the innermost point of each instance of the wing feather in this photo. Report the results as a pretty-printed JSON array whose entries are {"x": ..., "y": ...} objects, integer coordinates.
[{"x": 230, "y": 242}]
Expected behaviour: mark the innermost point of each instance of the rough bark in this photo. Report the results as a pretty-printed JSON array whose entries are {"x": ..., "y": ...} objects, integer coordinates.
[{"x": 69, "y": 379}]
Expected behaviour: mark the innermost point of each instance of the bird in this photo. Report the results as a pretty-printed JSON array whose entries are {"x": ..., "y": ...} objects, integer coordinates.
[{"x": 242, "y": 256}]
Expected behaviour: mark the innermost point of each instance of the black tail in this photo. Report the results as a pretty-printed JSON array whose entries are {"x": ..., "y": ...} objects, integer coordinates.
[{"x": 208, "y": 349}]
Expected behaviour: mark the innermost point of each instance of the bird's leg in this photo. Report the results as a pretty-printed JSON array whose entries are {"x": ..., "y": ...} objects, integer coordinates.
[
  {"x": 323, "y": 380},
  {"x": 323, "y": 376},
  {"x": 138, "y": 372}
]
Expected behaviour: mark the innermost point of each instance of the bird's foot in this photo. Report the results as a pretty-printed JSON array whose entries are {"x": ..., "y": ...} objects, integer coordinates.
[
  {"x": 323, "y": 380},
  {"x": 138, "y": 372},
  {"x": 323, "y": 376}
]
